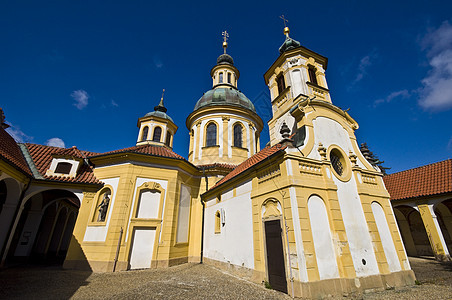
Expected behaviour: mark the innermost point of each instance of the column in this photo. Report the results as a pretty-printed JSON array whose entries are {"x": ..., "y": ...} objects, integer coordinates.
[
  {"x": 225, "y": 141},
  {"x": 434, "y": 233}
]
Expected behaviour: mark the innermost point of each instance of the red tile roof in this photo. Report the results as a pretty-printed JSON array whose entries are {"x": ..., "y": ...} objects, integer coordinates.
[
  {"x": 427, "y": 180},
  {"x": 10, "y": 151},
  {"x": 146, "y": 149},
  {"x": 250, "y": 162},
  {"x": 42, "y": 157},
  {"x": 217, "y": 165}
]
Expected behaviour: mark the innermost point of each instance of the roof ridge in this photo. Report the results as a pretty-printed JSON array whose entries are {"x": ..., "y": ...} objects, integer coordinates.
[
  {"x": 31, "y": 164},
  {"x": 420, "y": 167}
]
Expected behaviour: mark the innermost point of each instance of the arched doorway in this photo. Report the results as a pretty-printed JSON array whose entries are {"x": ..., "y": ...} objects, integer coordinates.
[
  {"x": 44, "y": 229},
  {"x": 276, "y": 267},
  {"x": 10, "y": 191},
  {"x": 443, "y": 212},
  {"x": 413, "y": 232}
]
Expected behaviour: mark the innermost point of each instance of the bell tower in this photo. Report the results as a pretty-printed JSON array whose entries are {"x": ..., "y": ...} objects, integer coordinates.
[
  {"x": 157, "y": 127},
  {"x": 296, "y": 75}
]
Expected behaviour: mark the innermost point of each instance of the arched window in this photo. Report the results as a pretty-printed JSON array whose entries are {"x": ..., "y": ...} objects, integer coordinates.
[
  {"x": 211, "y": 135},
  {"x": 221, "y": 78},
  {"x": 168, "y": 138},
  {"x": 144, "y": 135},
  {"x": 63, "y": 168},
  {"x": 157, "y": 134},
  {"x": 229, "y": 78},
  {"x": 217, "y": 222},
  {"x": 281, "y": 83},
  {"x": 238, "y": 135},
  {"x": 312, "y": 76}
]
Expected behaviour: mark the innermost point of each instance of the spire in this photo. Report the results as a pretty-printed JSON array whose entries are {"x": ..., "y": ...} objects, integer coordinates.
[
  {"x": 289, "y": 43},
  {"x": 225, "y": 35},
  {"x": 161, "y": 107},
  {"x": 225, "y": 58}
]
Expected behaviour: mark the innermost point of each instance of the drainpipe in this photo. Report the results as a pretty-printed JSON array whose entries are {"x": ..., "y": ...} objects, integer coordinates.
[
  {"x": 203, "y": 212},
  {"x": 117, "y": 249},
  {"x": 13, "y": 225}
]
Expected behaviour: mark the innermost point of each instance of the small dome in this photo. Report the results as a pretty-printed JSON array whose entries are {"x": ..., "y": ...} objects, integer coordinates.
[
  {"x": 225, "y": 96},
  {"x": 288, "y": 44},
  {"x": 225, "y": 59},
  {"x": 159, "y": 114}
]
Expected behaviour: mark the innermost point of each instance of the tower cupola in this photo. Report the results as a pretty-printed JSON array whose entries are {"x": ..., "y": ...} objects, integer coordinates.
[
  {"x": 157, "y": 127},
  {"x": 224, "y": 73}
]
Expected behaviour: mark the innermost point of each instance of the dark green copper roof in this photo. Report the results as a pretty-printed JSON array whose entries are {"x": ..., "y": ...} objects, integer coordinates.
[
  {"x": 159, "y": 114},
  {"x": 225, "y": 96},
  {"x": 225, "y": 59},
  {"x": 288, "y": 44},
  {"x": 159, "y": 111}
]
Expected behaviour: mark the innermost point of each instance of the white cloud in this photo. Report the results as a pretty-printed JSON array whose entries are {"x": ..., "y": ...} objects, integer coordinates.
[
  {"x": 55, "y": 142},
  {"x": 113, "y": 103},
  {"x": 158, "y": 62},
  {"x": 81, "y": 98},
  {"x": 436, "y": 91},
  {"x": 364, "y": 63},
  {"x": 18, "y": 135},
  {"x": 398, "y": 94}
]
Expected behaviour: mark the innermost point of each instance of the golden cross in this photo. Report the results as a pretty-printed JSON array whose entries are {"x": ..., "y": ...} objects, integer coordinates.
[
  {"x": 163, "y": 93},
  {"x": 225, "y": 35},
  {"x": 284, "y": 19}
]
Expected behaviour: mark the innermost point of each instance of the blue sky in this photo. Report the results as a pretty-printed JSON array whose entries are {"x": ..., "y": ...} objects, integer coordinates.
[{"x": 83, "y": 72}]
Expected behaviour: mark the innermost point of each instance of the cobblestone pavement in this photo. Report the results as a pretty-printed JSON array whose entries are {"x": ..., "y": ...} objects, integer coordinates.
[{"x": 189, "y": 281}]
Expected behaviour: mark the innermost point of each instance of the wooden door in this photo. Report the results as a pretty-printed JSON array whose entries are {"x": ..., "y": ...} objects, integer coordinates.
[{"x": 275, "y": 256}]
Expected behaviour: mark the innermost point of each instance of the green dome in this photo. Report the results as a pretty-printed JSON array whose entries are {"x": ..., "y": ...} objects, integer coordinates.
[
  {"x": 159, "y": 114},
  {"x": 225, "y": 96}
]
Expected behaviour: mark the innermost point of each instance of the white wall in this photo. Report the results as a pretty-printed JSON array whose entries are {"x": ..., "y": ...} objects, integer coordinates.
[
  {"x": 386, "y": 238},
  {"x": 321, "y": 234},
  {"x": 183, "y": 217},
  {"x": 328, "y": 132},
  {"x": 99, "y": 233},
  {"x": 235, "y": 242}
]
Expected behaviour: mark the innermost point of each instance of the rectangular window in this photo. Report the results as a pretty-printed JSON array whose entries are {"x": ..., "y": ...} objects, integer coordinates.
[
  {"x": 183, "y": 217},
  {"x": 281, "y": 83},
  {"x": 63, "y": 168},
  {"x": 229, "y": 77}
]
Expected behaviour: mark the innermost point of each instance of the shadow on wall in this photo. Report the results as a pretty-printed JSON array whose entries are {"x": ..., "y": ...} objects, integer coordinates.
[{"x": 38, "y": 282}]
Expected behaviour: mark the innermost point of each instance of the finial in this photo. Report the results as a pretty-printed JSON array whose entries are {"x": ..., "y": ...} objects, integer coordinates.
[
  {"x": 225, "y": 35},
  {"x": 286, "y": 29},
  {"x": 161, "y": 107}
]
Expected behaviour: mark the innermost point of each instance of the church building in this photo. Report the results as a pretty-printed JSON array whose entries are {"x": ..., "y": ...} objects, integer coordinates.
[{"x": 307, "y": 214}]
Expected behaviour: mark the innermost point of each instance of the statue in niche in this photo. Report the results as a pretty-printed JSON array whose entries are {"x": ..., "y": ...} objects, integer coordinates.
[{"x": 103, "y": 207}]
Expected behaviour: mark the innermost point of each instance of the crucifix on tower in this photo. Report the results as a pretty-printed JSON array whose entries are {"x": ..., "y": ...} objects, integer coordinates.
[{"x": 286, "y": 29}]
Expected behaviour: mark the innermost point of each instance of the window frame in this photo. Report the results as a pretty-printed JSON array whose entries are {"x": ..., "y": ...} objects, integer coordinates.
[
  {"x": 281, "y": 83},
  {"x": 207, "y": 144},
  {"x": 312, "y": 75},
  {"x": 144, "y": 133},
  {"x": 237, "y": 125},
  {"x": 154, "y": 134}
]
